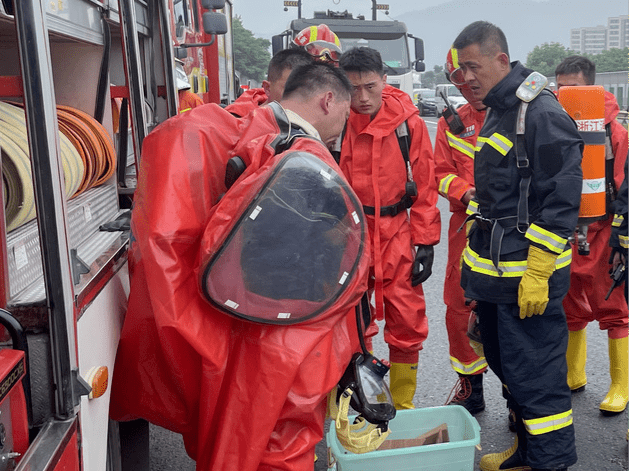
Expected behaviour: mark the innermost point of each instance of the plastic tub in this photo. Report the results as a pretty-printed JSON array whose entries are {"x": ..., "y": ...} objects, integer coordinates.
[{"x": 456, "y": 455}]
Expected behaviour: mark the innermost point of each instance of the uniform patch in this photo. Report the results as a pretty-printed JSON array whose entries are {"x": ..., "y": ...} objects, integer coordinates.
[{"x": 469, "y": 131}]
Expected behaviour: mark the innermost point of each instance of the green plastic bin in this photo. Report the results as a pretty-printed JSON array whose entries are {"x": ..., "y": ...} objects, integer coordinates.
[{"x": 456, "y": 455}]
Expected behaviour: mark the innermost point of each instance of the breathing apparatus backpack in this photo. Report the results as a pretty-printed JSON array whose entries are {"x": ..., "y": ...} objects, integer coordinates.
[{"x": 285, "y": 241}]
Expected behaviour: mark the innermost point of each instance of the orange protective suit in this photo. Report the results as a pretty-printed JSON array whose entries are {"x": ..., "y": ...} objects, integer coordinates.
[
  {"x": 589, "y": 277},
  {"x": 454, "y": 170},
  {"x": 372, "y": 162},
  {"x": 247, "y": 102},
  {"x": 245, "y": 396},
  {"x": 188, "y": 100}
]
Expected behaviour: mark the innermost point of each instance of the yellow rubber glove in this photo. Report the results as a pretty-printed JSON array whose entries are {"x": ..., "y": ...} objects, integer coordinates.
[{"x": 533, "y": 289}]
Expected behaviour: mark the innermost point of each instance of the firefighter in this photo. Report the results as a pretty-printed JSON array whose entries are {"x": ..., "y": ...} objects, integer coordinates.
[
  {"x": 280, "y": 67},
  {"x": 454, "y": 170},
  {"x": 374, "y": 162},
  {"x": 187, "y": 99},
  {"x": 619, "y": 239},
  {"x": 516, "y": 264},
  {"x": 585, "y": 301},
  {"x": 241, "y": 393},
  {"x": 320, "y": 42}
]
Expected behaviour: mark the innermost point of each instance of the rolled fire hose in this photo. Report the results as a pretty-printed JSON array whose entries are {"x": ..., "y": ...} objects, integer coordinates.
[{"x": 87, "y": 154}]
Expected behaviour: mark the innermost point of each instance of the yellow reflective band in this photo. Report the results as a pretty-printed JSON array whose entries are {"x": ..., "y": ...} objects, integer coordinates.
[
  {"x": 455, "y": 57},
  {"x": 551, "y": 241},
  {"x": 185, "y": 109},
  {"x": 500, "y": 143},
  {"x": 548, "y": 424},
  {"x": 480, "y": 142},
  {"x": 624, "y": 241},
  {"x": 513, "y": 269},
  {"x": 470, "y": 368},
  {"x": 618, "y": 219},
  {"x": 313, "y": 33},
  {"x": 444, "y": 184},
  {"x": 472, "y": 207},
  {"x": 461, "y": 145}
]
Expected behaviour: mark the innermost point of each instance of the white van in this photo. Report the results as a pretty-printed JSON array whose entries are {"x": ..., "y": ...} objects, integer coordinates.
[{"x": 452, "y": 93}]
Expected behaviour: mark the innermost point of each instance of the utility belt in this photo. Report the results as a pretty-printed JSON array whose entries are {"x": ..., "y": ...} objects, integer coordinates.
[
  {"x": 496, "y": 229},
  {"x": 392, "y": 210}
]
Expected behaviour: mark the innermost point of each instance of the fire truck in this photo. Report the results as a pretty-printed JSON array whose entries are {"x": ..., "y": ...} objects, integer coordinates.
[
  {"x": 82, "y": 82},
  {"x": 390, "y": 38}
]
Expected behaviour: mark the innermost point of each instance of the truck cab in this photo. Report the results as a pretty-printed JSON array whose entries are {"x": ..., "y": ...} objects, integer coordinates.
[{"x": 390, "y": 38}]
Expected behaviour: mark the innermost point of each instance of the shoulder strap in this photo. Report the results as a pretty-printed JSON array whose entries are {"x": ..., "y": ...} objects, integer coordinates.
[{"x": 404, "y": 138}]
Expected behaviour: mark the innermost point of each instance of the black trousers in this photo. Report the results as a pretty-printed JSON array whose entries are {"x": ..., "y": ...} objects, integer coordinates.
[{"x": 529, "y": 357}]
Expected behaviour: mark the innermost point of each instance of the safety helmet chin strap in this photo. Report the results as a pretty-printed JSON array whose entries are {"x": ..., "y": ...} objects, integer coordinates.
[{"x": 359, "y": 437}]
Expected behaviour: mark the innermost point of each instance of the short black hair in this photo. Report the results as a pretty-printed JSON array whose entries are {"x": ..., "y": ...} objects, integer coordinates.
[
  {"x": 489, "y": 37},
  {"x": 316, "y": 76},
  {"x": 286, "y": 59},
  {"x": 575, "y": 64},
  {"x": 362, "y": 59}
]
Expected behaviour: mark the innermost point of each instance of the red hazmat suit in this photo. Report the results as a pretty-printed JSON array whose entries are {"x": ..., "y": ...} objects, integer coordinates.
[
  {"x": 373, "y": 163},
  {"x": 589, "y": 277},
  {"x": 245, "y": 396},
  {"x": 454, "y": 170},
  {"x": 250, "y": 100}
]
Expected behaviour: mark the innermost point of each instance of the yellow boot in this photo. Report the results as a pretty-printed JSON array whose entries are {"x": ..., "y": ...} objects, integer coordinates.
[
  {"x": 618, "y": 395},
  {"x": 509, "y": 460},
  {"x": 576, "y": 357},
  {"x": 403, "y": 383}
]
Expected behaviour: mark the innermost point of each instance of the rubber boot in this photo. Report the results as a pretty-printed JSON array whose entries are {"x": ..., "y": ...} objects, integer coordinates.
[
  {"x": 616, "y": 399},
  {"x": 403, "y": 383},
  {"x": 511, "y": 459},
  {"x": 468, "y": 392},
  {"x": 576, "y": 357}
]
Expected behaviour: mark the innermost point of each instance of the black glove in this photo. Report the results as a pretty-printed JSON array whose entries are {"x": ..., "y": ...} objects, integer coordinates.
[
  {"x": 422, "y": 266},
  {"x": 615, "y": 250}
]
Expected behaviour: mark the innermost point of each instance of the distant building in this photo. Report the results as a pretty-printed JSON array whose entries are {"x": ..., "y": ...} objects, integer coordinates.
[{"x": 596, "y": 39}]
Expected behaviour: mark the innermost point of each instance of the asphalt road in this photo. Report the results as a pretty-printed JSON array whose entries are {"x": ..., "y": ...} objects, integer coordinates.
[{"x": 601, "y": 441}]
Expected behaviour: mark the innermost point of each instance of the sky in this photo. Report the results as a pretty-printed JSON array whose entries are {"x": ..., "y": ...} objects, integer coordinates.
[{"x": 526, "y": 23}]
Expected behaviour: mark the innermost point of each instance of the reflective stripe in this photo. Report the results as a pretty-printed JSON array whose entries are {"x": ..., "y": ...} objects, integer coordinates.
[
  {"x": 551, "y": 241},
  {"x": 548, "y": 424},
  {"x": 313, "y": 33},
  {"x": 480, "y": 142},
  {"x": 498, "y": 142},
  {"x": 472, "y": 207},
  {"x": 461, "y": 145},
  {"x": 624, "y": 241},
  {"x": 444, "y": 184},
  {"x": 512, "y": 269},
  {"x": 455, "y": 57},
  {"x": 470, "y": 368},
  {"x": 618, "y": 219}
]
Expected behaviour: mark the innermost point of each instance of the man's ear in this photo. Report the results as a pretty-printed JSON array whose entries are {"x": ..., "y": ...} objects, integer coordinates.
[
  {"x": 504, "y": 59},
  {"x": 326, "y": 100},
  {"x": 266, "y": 85}
]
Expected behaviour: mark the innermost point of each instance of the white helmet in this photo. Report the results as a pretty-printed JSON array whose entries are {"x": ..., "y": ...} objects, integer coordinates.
[{"x": 181, "y": 79}]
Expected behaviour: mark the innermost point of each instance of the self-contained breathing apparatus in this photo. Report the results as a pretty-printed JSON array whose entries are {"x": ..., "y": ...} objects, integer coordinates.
[
  {"x": 586, "y": 105},
  {"x": 363, "y": 387}
]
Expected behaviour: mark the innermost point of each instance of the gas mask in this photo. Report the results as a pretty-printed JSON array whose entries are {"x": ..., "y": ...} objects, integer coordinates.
[{"x": 363, "y": 386}]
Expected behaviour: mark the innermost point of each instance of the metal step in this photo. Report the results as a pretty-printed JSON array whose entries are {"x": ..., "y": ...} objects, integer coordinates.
[{"x": 86, "y": 213}]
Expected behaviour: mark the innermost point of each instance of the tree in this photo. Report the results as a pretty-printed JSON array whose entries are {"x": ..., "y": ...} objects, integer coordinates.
[
  {"x": 434, "y": 77},
  {"x": 545, "y": 58},
  {"x": 251, "y": 54},
  {"x": 612, "y": 60}
]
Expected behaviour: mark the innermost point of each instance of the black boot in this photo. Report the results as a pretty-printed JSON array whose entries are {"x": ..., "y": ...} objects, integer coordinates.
[{"x": 468, "y": 392}]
